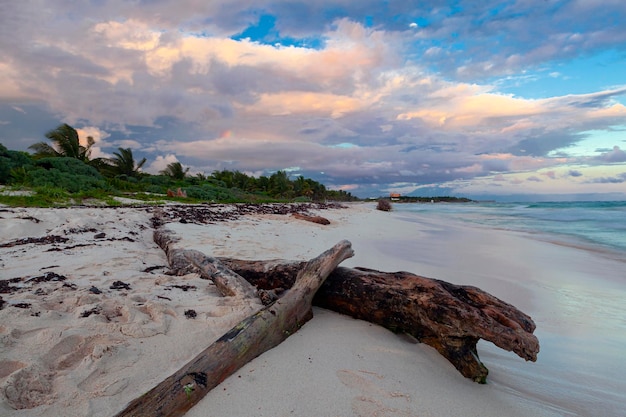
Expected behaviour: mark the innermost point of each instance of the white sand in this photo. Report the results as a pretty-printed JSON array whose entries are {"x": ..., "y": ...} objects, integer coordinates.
[
  {"x": 68, "y": 365},
  {"x": 333, "y": 366}
]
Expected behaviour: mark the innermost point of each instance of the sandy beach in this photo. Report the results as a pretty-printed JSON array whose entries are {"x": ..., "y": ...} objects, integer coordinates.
[{"x": 91, "y": 319}]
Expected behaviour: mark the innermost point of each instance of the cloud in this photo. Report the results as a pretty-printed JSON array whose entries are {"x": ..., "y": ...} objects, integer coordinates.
[
  {"x": 95, "y": 132},
  {"x": 417, "y": 106},
  {"x": 610, "y": 180},
  {"x": 323, "y": 104},
  {"x": 128, "y": 143},
  {"x": 461, "y": 106},
  {"x": 561, "y": 33},
  {"x": 98, "y": 136},
  {"x": 160, "y": 163},
  {"x": 613, "y": 156}
]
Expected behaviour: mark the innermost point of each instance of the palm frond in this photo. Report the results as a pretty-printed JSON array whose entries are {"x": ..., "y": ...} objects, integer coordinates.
[
  {"x": 66, "y": 143},
  {"x": 44, "y": 150},
  {"x": 123, "y": 162}
]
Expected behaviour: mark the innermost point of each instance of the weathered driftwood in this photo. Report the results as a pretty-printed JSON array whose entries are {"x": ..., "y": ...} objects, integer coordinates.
[
  {"x": 451, "y": 318},
  {"x": 247, "y": 340},
  {"x": 183, "y": 261},
  {"x": 313, "y": 219}
]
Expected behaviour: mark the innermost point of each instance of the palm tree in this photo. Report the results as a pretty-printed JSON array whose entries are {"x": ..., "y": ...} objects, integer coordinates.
[
  {"x": 280, "y": 185},
  {"x": 65, "y": 144},
  {"x": 123, "y": 163},
  {"x": 302, "y": 187},
  {"x": 175, "y": 170}
]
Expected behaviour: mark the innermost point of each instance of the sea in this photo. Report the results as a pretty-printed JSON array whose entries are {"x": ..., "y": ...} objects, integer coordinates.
[
  {"x": 596, "y": 224},
  {"x": 575, "y": 272}
]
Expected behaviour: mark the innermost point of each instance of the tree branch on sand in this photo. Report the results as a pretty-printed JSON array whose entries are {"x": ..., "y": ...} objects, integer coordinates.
[{"x": 261, "y": 331}]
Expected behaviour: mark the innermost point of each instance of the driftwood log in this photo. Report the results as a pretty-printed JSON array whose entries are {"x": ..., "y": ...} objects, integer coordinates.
[
  {"x": 313, "y": 219},
  {"x": 451, "y": 318},
  {"x": 261, "y": 331},
  {"x": 448, "y": 317}
]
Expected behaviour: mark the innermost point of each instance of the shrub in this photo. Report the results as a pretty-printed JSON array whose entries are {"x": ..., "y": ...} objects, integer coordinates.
[
  {"x": 12, "y": 163},
  {"x": 156, "y": 189},
  {"x": 68, "y": 174},
  {"x": 209, "y": 192},
  {"x": 157, "y": 180}
]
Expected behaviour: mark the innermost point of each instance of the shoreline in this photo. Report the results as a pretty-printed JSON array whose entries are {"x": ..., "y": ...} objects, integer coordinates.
[{"x": 94, "y": 363}]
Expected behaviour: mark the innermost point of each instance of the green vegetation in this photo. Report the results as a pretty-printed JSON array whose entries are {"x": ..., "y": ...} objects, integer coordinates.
[
  {"x": 175, "y": 171},
  {"x": 13, "y": 165},
  {"x": 123, "y": 164},
  {"x": 62, "y": 173},
  {"x": 65, "y": 144},
  {"x": 189, "y": 389},
  {"x": 69, "y": 174}
]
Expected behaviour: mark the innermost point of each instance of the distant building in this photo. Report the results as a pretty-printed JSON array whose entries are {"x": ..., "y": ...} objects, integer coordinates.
[{"x": 395, "y": 196}]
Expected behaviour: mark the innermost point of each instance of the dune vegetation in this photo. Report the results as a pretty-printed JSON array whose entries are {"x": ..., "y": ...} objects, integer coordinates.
[{"x": 61, "y": 171}]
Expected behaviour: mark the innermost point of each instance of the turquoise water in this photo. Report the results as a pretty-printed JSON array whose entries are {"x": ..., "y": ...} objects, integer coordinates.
[
  {"x": 596, "y": 223},
  {"x": 568, "y": 276}
]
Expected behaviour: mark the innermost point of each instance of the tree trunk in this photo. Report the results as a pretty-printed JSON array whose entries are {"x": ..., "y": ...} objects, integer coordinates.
[
  {"x": 247, "y": 340},
  {"x": 451, "y": 318}
]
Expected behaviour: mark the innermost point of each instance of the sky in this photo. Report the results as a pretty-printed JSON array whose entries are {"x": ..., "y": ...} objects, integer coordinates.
[{"x": 490, "y": 99}]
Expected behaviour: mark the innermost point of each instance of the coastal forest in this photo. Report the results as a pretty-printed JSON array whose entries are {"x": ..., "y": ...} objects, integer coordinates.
[{"x": 61, "y": 170}]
